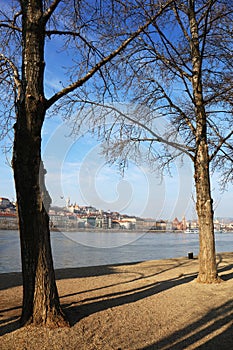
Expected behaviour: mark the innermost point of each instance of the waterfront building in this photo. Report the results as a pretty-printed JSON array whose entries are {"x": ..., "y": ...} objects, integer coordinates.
[
  {"x": 4, "y": 202},
  {"x": 8, "y": 220},
  {"x": 175, "y": 224}
]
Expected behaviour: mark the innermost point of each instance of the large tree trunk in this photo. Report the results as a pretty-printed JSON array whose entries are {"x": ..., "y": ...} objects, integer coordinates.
[
  {"x": 204, "y": 203},
  {"x": 40, "y": 296},
  {"x": 204, "y": 206}
]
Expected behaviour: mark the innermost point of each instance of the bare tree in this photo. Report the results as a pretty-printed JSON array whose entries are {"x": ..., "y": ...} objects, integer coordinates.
[
  {"x": 94, "y": 34},
  {"x": 179, "y": 68}
]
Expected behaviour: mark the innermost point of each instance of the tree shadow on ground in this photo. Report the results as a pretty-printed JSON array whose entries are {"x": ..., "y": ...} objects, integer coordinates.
[
  {"x": 10, "y": 324},
  {"x": 10, "y": 280},
  {"x": 86, "y": 307},
  {"x": 76, "y": 311},
  {"x": 14, "y": 279},
  {"x": 227, "y": 277},
  {"x": 138, "y": 276},
  {"x": 201, "y": 330},
  {"x": 90, "y": 271}
]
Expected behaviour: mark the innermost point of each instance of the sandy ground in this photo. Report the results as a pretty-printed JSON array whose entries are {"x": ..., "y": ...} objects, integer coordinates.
[{"x": 148, "y": 305}]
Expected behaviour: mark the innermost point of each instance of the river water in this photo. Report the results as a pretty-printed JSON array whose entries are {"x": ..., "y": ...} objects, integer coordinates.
[{"x": 79, "y": 249}]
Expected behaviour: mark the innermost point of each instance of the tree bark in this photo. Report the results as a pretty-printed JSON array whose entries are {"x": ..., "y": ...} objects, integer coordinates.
[
  {"x": 204, "y": 202},
  {"x": 40, "y": 297},
  {"x": 204, "y": 206}
]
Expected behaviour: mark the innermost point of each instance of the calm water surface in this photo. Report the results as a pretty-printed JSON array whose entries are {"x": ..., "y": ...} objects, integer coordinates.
[{"x": 95, "y": 248}]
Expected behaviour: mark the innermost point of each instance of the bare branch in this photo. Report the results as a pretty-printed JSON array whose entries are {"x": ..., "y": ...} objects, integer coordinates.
[
  {"x": 104, "y": 61},
  {"x": 74, "y": 34},
  {"x": 10, "y": 26},
  {"x": 175, "y": 9},
  {"x": 16, "y": 76},
  {"x": 205, "y": 31},
  {"x": 48, "y": 13},
  {"x": 179, "y": 110},
  {"x": 173, "y": 62},
  {"x": 170, "y": 63},
  {"x": 222, "y": 140},
  {"x": 156, "y": 137}
]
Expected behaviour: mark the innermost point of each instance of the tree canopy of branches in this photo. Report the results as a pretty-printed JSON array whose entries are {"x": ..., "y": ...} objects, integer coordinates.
[
  {"x": 180, "y": 68},
  {"x": 91, "y": 34}
]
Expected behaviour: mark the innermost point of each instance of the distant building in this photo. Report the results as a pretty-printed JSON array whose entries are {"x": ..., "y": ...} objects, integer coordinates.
[
  {"x": 8, "y": 221},
  {"x": 160, "y": 225},
  {"x": 184, "y": 223},
  {"x": 4, "y": 202},
  {"x": 217, "y": 225},
  {"x": 145, "y": 224},
  {"x": 175, "y": 224},
  {"x": 126, "y": 224},
  {"x": 179, "y": 225}
]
